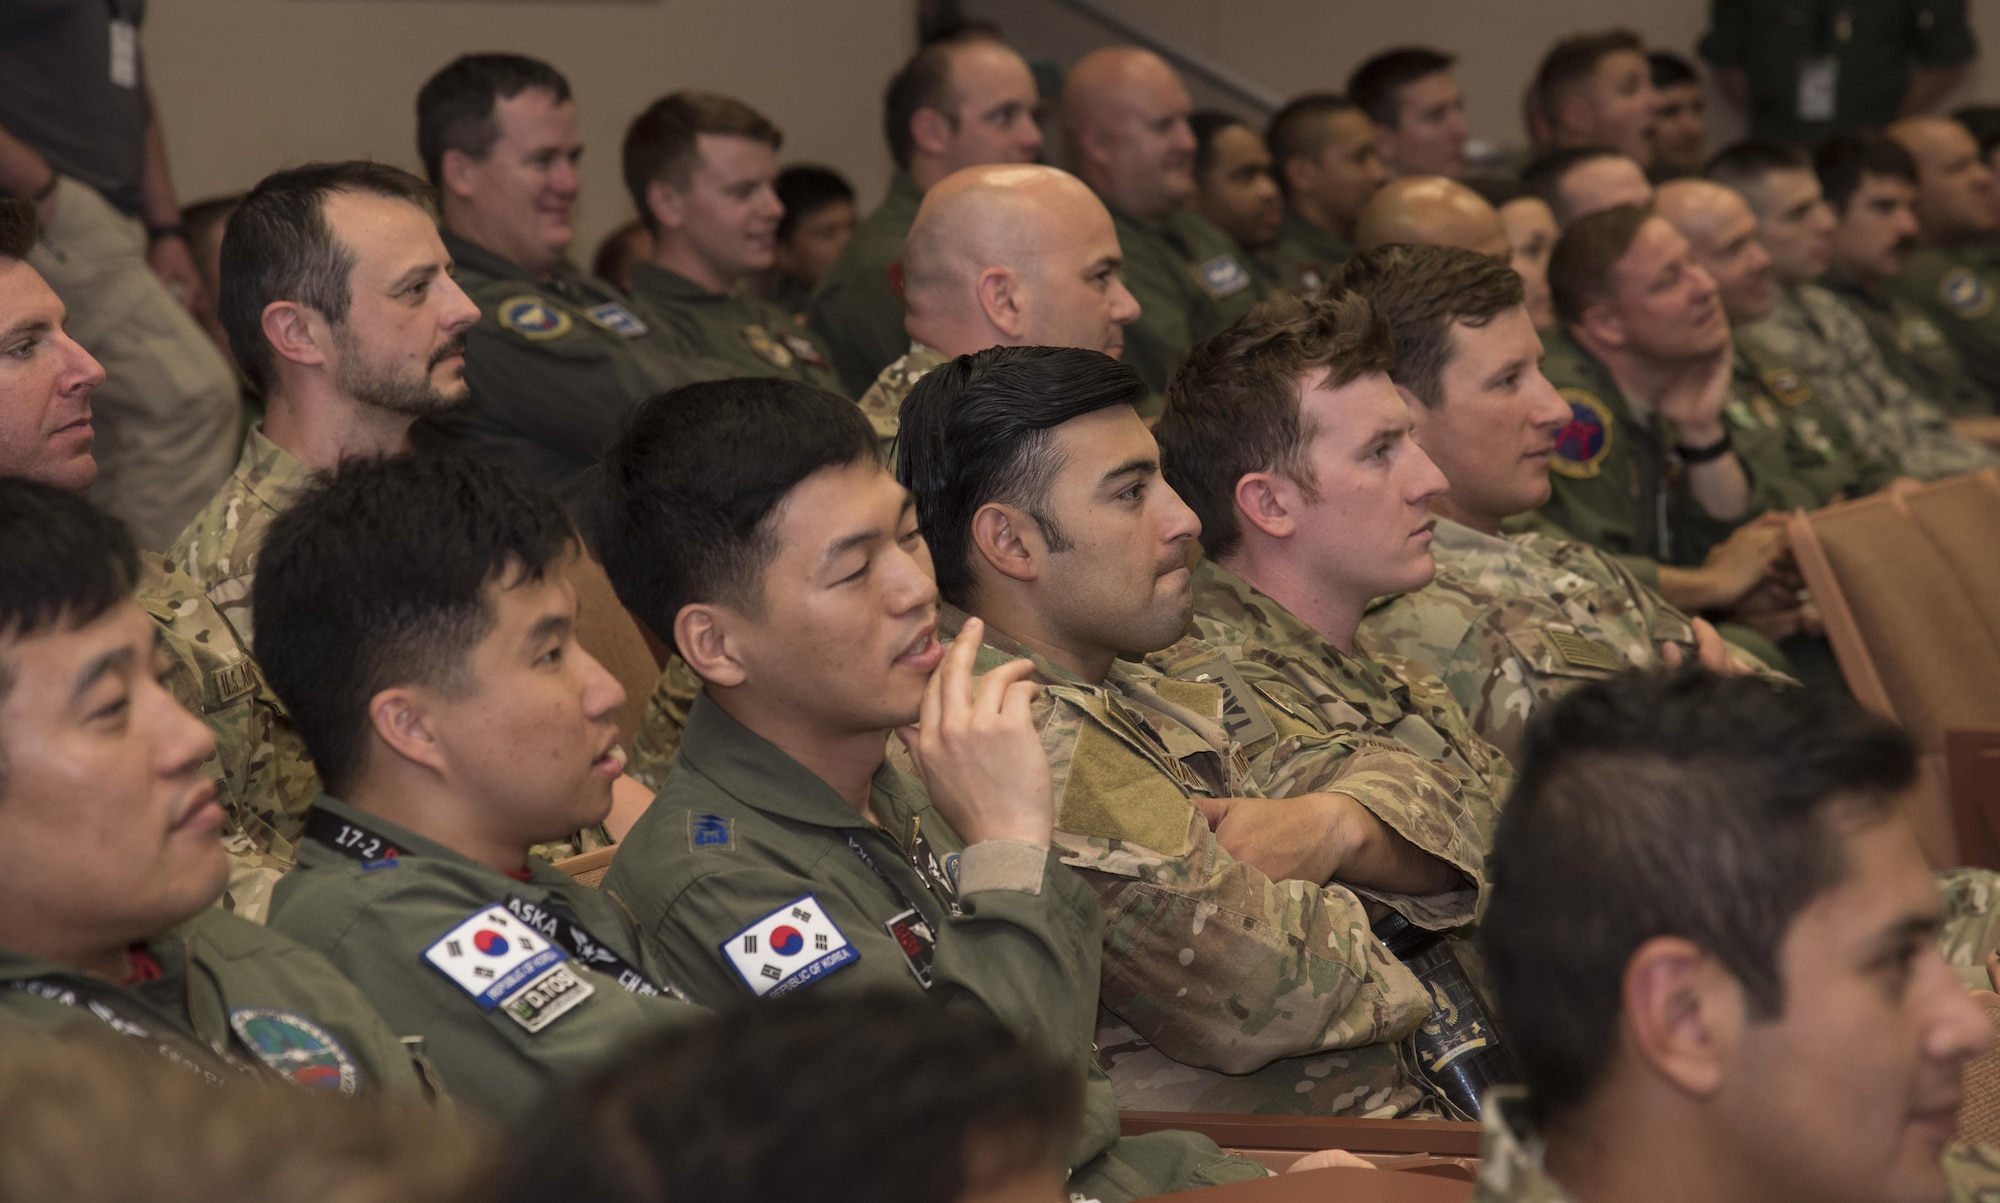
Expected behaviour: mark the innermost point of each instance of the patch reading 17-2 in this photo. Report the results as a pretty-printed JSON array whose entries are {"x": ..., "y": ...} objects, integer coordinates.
[
  {"x": 793, "y": 946},
  {"x": 503, "y": 962},
  {"x": 296, "y": 1049},
  {"x": 533, "y": 318},
  {"x": 1585, "y": 439}
]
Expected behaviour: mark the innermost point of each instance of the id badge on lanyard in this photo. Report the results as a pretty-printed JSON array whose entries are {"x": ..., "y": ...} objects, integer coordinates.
[{"x": 124, "y": 64}]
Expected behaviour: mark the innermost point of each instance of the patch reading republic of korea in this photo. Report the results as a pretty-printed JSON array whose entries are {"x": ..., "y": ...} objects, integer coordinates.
[
  {"x": 617, "y": 319},
  {"x": 792, "y": 947},
  {"x": 1223, "y": 276},
  {"x": 1585, "y": 439},
  {"x": 533, "y": 318},
  {"x": 503, "y": 962},
  {"x": 296, "y": 1049},
  {"x": 1965, "y": 294}
]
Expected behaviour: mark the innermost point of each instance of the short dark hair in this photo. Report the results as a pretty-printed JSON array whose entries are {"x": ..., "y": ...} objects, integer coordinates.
[
  {"x": 206, "y": 219},
  {"x": 1233, "y": 401},
  {"x": 880, "y": 1095},
  {"x": 1572, "y": 61},
  {"x": 1498, "y": 190},
  {"x": 978, "y": 429},
  {"x": 1844, "y": 159},
  {"x": 1580, "y": 266},
  {"x": 64, "y": 563},
  {"x": 1206, "y": 124},
  {"x": 377, "y": 576},
  {"x": 455, "y": 106},
  {"x": 1744, "y": 164},
  {"x": 1544, "y": 174},
  {"x": 1298, "y": 131},
  {"x": 1648, "y": 805},
  {"x": 924, "y": 82},
  {"x": 661, "y": 143},
  {"x": 1670, "y": 70},
  {"x": 1983, "y": 122},
  {"x": 279, "y": 247},
  {"x": 1423, "y": 292},
  {"x": 804, "y": 190},
  {"x": 20, "y": 228},
  {"x": 1377, "y": 85},
  {"x": 681, "y": 510}
]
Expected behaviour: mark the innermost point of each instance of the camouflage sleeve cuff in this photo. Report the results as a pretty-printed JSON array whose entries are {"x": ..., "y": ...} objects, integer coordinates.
[{"x": 1002, "y": 865}]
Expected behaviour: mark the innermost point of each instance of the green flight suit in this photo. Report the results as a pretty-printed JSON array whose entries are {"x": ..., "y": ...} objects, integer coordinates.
[
  {"x": 1915, "y": 349},
  {"x": 752, "y": 878},
  {"x": 1305, "y": 257},
  {"x": 554, "y": 367},
  {"x": 1957, "y": 288},
  {"x": 413, "y": 924},
  {"x": 1190, "y": 283},
  {"x": 751, "y": 335},
  {"x": 1821, "y": 461},
  {"x": 230, "y": 995},
  {"x": 857, "y": 307}
]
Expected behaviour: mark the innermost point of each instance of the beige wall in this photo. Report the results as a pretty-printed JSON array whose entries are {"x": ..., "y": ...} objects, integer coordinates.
[{"x": 247, "y": 86}]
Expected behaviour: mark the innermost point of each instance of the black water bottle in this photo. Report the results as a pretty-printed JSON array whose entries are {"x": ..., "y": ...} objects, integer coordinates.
[{"x": 1457, "y": 1047}]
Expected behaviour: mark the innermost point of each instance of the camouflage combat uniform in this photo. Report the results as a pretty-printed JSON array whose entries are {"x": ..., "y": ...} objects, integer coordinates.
[
  {"x": 1973, "y": 1172},
  {"x": 1225, "y": 990},
  {"x": 1817, "y": 333},
  {"x": 666, "y": 716},
  {"x": 883, "y": 402},
  {"x": 264, "y": 777},
  {"x": 1512, "y": 623},
  {"x": 1971, "y": 922},
  {"x": 1812, "y": 458},
  {"x": 219, "y": 548},
  {"x": 1914, "y": 348}
]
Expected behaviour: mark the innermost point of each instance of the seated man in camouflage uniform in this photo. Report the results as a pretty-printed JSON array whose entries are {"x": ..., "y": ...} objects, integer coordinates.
[
  {"x": 1816, "y": 332},
  {"x": 1209, "y": 785},
  {"x": 259, "y": 767},
  {"x": 1254, "y": 438},
  {"x": 415, "y": 615},
  {"x": 754, "y": 521},
  {"x": 107, "y": 926},
  {"x": 701, "y": 169},
  {"x": 1710, "y": 942}
]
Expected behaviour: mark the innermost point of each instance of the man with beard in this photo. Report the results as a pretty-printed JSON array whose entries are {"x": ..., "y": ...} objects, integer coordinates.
[{"x": 339, "y": 302}]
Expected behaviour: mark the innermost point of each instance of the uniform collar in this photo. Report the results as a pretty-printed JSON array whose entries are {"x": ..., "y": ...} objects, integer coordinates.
[
  {"x": 999, "y": 647},
  {"x": 1319, "y": 241},
  {"x": 1511, "y": 1152},
  {"x": 903, "y": 192},
  {"x": 467, "y": 254},
  {"x": 758, "y": 774},
  {"x": 271, "y": 473},
  {"x": 656, "y": 283},
  {"x": 409, "y": 843}
]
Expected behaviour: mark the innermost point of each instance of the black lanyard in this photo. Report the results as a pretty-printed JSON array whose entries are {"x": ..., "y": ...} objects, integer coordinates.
[
  {"x": 924, "y": 863},
  {"x": 69, "y": 995}
]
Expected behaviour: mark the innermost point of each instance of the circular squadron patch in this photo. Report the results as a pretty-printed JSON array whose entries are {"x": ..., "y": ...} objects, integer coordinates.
[
  {"x": 1965, "y": 294},
  {"x": 533, "y": 318},
  {"x": 1585, "y": 439},
  {"x": 296, "y": 1048}
]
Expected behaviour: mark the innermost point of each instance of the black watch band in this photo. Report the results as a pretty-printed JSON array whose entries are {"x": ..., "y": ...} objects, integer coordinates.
[{"x": 1701, "y": 455}]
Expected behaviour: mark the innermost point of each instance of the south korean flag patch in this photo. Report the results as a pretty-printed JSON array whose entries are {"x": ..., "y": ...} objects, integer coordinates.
[
  {"x": 502, "y": 962},
  {"x": 792, "y": 947}
]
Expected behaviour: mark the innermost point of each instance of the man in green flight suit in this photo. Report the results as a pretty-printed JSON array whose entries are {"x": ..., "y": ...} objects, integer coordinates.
[
  {"x": 1208, "y": 785},
  {"x": 753, "y": 520},
  {"x": 1323, "y": 154},
  {"x": 959, "y": 102},
  {"x": 1126, "y": 113},
  {"x": 107, "y": 928},
  {"x": 701, "y": 169},
  {"x": 457, "y": 724},
  {"x": 557, "y": 357},
  {"x": 1711, "y": 940},
  {"x": 1954, "y": 277}
]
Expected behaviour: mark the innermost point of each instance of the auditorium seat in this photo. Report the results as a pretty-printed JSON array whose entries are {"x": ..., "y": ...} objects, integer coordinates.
[
  {"x": 588, "y": 868},
  {"x": 1346, "y": 1184}
]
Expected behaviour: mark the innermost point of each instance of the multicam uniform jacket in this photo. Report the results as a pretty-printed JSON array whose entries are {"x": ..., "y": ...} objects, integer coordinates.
[
  {"x": 883, "y": 402},
  {"x": 219, "y": 548}
]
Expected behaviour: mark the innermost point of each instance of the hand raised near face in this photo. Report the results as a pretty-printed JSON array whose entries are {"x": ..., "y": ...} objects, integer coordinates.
[{"x": 976, "y": 749}]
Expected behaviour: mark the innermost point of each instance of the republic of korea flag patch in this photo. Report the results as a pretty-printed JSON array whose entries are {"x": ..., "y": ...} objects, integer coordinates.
[
  {"x": 793, "y": 946},
  {"x": 503, "y": 962}
]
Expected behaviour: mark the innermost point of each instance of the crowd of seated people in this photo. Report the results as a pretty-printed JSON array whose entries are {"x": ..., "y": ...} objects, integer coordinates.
[{"x": 1263, "y": 615}]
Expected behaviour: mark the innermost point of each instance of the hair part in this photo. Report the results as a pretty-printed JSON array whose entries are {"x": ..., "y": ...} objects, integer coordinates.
[
  {"x": 1424, "y": 293},
  {"x": 455, "y": 106},
  {"x": 1584, "y": 258},
  {"x": 279, "y": 246},
  {"x": 981, "y": 429},
  {"x": 1234, "y": 402},
  {"x": 1712, "y": 809},
  {"x": 1377, "y": 85},
  {"x": 381, "y": 575}
]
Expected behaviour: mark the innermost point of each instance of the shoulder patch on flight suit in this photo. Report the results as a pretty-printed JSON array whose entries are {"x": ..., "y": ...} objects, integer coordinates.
[
  {"x": 793, "y": 946},
  {"x": 502, "y": 961},
  {"x": 1585, "y": 439},
  {"x": 760, "y": 341},
  {"x": 711, "y": 831},
  {"x": 533, "y": 318},
  {"x": 803, "y": 349},
  {"x": 296, "y": 1049},
  {"x": 1965, "y": 294},
  {"x": 1223, "y": 276},
  {"x": 1787, "y": 387},
  {"x": 617, "y": 319}
]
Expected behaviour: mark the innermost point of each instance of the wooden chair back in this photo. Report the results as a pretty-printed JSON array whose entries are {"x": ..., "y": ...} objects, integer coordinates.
[{"x": 588, "y": 868}]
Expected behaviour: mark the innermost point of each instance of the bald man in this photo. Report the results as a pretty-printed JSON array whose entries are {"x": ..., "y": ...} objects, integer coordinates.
[
  {"x": 1954, "y": 279},
  {"x": 1013, "y": 256},
  {"x": 1126, "y": 115},
  {"x": 1430, "y": 210},
  {"x": 1770, "y": 401},
  {"x": 957, "y": 103}
]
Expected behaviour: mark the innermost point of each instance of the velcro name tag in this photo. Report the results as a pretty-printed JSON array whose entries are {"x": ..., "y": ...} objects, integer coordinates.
[
  {"x": 617, "y": 319},
  {"x": 494, "y": 956},
  {"x": 792, "y": 947}
]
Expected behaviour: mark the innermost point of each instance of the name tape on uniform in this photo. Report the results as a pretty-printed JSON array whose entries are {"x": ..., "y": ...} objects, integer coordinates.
[
  {"x": 793, "y": 946},
  {"x": 503, "y": 962}
]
